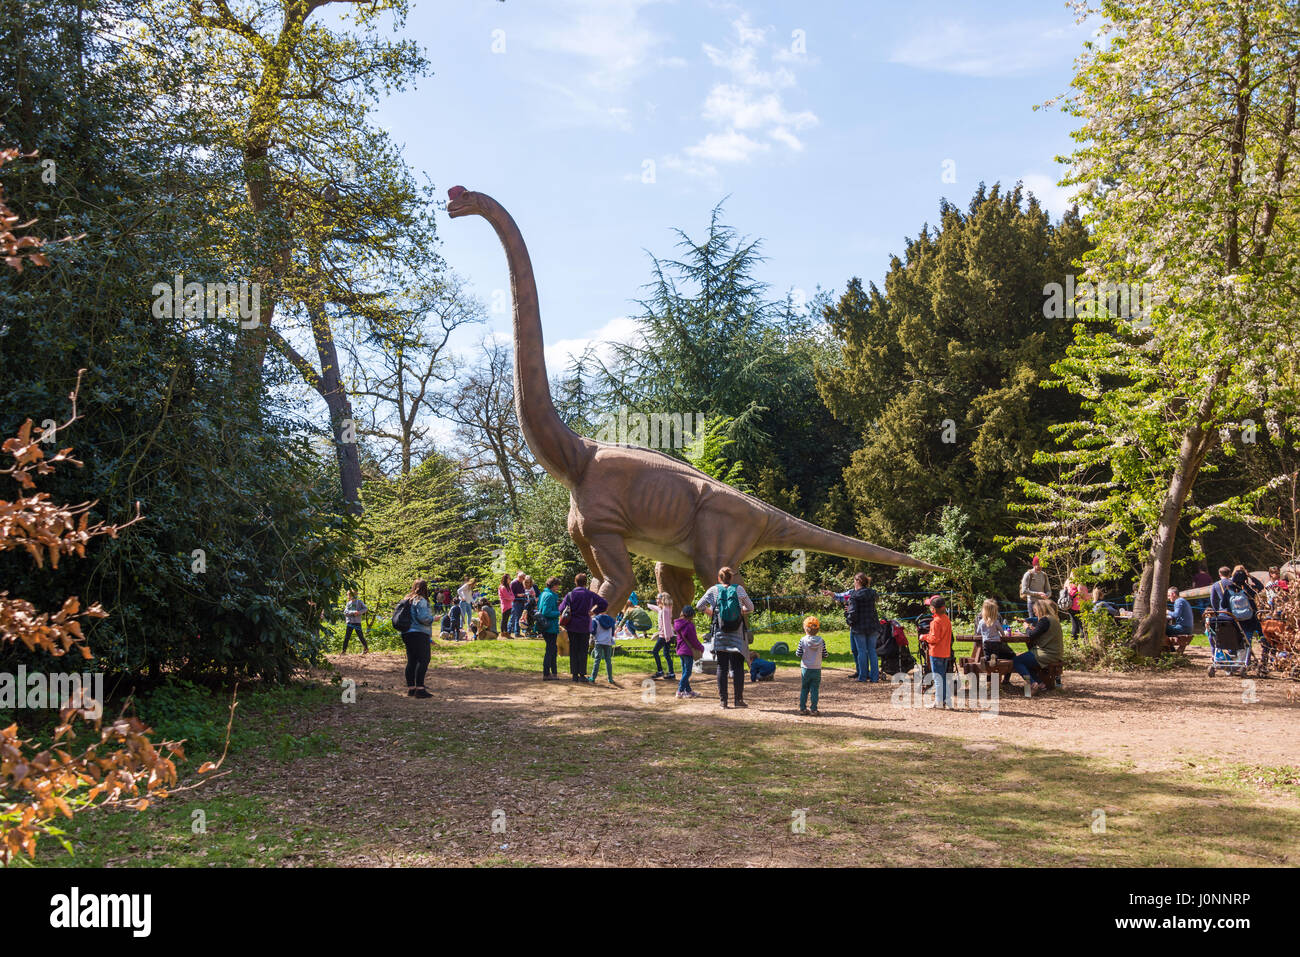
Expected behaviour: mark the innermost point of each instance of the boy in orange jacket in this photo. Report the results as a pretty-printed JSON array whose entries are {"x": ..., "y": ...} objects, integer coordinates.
[{"x": 940, "y": 642}]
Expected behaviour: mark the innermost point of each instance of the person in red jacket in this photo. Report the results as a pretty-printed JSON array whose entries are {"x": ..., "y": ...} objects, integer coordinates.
[{"x": 940, "y": 642}]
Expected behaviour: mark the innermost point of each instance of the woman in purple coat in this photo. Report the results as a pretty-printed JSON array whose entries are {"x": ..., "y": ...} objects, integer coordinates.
[{"x": 579, "y": 605}]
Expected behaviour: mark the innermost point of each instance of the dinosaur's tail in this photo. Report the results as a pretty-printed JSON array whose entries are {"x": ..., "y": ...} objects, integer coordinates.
[{"x": 817, "y": 539}]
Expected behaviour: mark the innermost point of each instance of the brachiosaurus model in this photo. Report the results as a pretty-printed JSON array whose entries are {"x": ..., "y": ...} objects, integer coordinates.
[{"x": 625, "y": 499}]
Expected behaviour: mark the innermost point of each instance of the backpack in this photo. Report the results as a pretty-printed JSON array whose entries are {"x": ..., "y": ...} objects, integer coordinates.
[
  {"x": 728, "y": 606},
  {"x": 1239, "y": 605},
  {"x": 1064, "y": 600},
  {"x": 402, "y": 616}
]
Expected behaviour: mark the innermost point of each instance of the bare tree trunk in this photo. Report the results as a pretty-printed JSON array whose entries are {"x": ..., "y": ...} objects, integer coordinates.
[
  {"x": 330, "y": 386},
  {"x": 1152, "y": 599}
]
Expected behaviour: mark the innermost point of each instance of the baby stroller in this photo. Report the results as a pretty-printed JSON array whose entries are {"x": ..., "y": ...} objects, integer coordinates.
[
  {"x": 1230, "y": 647},
  {"x": 891, "y": 648}
]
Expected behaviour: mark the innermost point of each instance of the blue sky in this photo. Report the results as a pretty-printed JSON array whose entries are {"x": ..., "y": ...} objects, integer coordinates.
[{"x": 827, "y": 124}]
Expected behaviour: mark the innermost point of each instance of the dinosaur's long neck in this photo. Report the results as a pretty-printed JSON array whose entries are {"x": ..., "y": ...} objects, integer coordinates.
[{"x": 553, "y": 444}]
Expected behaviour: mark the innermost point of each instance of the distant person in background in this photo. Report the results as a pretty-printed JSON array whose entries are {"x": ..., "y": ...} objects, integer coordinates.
[
  {"x": 530, "y": 606},
  {"x": 507, "y": 598},
  {"x": 1277, "y": 587},
  {"x": 518, "y": 602},
  {"x": 417, "y": 636},
  {"x": 457, "y": 623},
  {"x": 548, "y": 624},
  {"x": 576, "y": 610},
  {"x": 353, "y": 612},
  {"x": 487, "y": 624},
  {"x": 1244, "y": 582},
  {"x": 465, "y": 596},
  {"x": 637, "y": 621},
  {"x": 1074, "y": 595},
  {"x": 1202, "y": 578},
  {"x": 1033, "y": 585},
  {"x": 992, "y": 633},
  {"x": 1100, "y": 604},
  {"x": 1181, "y": 622}
]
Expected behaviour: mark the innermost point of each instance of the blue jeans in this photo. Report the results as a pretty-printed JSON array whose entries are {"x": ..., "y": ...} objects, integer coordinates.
[
  {"x": 853, "y": 653},
  {"x": 688, "y": 662},
  {"x": 864, "y": 655},
  {"x": 810, "y": 685},
  {"x": 662, "y": 645},
  {"x": 464, "y": 612},
  {"x": 1026, "y": 664},
  {"x": 942, "y": 693},
  {"x": 606, "y": 652},
  {"x": 516, "y": 614}
]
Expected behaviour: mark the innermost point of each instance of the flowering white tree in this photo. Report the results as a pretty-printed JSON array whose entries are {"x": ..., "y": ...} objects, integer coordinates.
[{"x": 1187, "y": 173}]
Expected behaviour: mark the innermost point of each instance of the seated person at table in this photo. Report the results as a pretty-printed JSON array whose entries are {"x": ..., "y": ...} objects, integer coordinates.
[
  {"x": 1046, "y": 646},
  {"x": 1098, "y": 604},
  {"x": 1181, "y": 621},
  {"x": 990, "y": 631},
  {"x": 760, "y": 669}
]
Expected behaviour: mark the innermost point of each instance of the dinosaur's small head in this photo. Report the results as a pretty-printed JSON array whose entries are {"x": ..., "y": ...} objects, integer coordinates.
[{"x": 462, "y": 202}]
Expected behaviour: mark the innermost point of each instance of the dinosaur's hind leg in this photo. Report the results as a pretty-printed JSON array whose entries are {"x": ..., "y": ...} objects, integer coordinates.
[
  {"x": 678, "y": 582},
  {"x": 613, "y": 564}
]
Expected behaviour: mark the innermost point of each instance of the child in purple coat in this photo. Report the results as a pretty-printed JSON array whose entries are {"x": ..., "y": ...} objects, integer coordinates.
[{"x": 687, "y": 645}]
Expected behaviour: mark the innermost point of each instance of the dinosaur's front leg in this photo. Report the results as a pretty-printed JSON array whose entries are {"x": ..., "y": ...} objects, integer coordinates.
[{"x": 613, "y": 564}]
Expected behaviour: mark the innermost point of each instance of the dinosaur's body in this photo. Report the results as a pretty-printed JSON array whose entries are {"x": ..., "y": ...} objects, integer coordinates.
[{"x": 624, "y": 499}]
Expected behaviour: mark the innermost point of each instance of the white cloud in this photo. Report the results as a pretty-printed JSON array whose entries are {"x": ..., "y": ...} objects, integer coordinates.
[
  {"x": 595, "y": 51},
  {"x": 988, "y": 50},
  {"x": 559, "y": 355},
  {"x": 746, "y": 111},
  {"x": 1055, "y": 199}
]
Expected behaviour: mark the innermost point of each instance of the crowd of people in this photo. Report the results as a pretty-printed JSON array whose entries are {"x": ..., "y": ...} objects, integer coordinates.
[{"x": 576, "y": 624}]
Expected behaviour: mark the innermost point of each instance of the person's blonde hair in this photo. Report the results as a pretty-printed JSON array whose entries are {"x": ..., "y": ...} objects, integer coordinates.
[
  {"x": 1046, "y": 608},
  {"x": 811, "y": 625},
  {"x": 989, "y": 611}
]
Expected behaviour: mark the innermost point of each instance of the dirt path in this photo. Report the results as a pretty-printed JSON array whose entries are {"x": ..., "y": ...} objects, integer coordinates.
[
  {"x": 1154, "y": 721},
  {"x": 592, "y": 774}
]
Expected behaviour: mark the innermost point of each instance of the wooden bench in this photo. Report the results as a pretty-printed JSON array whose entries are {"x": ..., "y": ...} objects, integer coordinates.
[{"x": 1051, "y": 673}]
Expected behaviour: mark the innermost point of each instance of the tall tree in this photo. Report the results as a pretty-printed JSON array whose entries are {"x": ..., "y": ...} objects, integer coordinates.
[
  {"x": 332, "y": 210},
  {"x": 399, "y": 369},
  {"x": 941, "y": 372},
  {"x": 1187, "y": 169},
  {"x": 487, "y": 431}
]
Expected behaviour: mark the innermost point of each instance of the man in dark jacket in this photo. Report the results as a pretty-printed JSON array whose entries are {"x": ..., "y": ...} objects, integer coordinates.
[{"x": 581, "y": 605}]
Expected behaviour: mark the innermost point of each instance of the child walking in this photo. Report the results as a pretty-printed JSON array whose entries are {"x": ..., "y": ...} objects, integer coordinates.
[
  {"x": 665, "y": 639},
  {"x": 602, "y": 633},
  {"x": 687, "y": 645},
  {"x": 811, "y": 649}
]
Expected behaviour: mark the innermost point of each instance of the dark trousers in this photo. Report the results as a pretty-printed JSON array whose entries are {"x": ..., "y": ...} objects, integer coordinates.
[
  {"x": 578, "y": 654},
  {"x": 662, "y": 645},
  {"x": 417, "y": 657},
  {"x": 549, "y": 655},
  {"x": 347, "y": 633},
  {"x": 734, "y": 662}
]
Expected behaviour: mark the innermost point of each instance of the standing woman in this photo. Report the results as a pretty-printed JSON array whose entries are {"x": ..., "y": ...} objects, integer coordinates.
[
  {"x": 418, "y": 637},
  {"x": 506, "y": 595},
  {"x": 548, "y": 623},
  {"x": 575, "y": 614},
  {"x": 464, "y": 597},
  {"x": 728, "y": 605}
]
